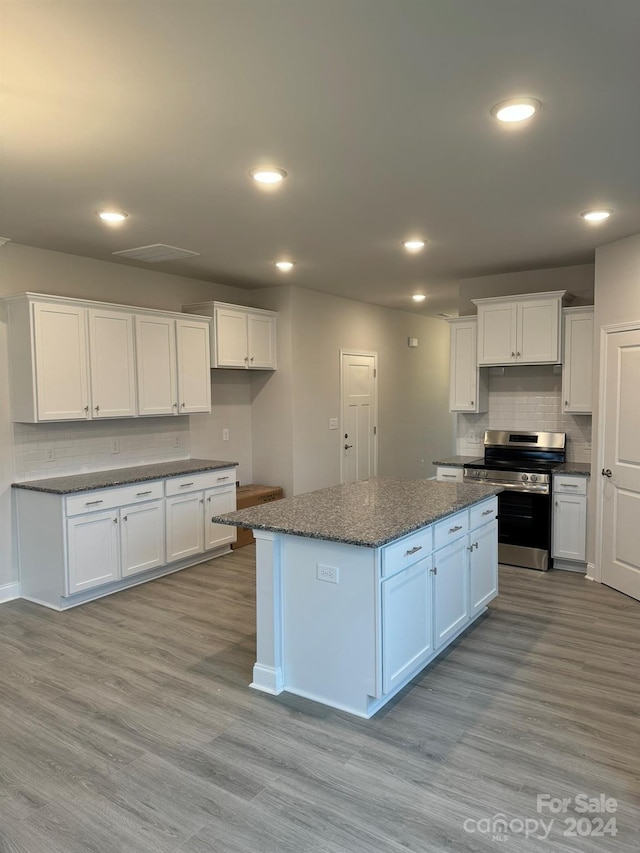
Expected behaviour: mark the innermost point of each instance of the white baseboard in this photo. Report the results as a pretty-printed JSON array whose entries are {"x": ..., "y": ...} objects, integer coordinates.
[
  {"x": 9, "y": 592},
  {"x": 591, "y": 572}
]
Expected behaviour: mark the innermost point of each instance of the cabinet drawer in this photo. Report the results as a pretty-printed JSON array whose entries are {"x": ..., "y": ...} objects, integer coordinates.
[
  {"x": 111, "y": 498},
  {"x": 398, "y": 555},
  {"x": 448, "y": 474},
  {"x": 450, "y": 528},
  {"x": 569, "y": 485},
  {"x": 195, "y": 482},
  {"x": 482, "y": 513}
]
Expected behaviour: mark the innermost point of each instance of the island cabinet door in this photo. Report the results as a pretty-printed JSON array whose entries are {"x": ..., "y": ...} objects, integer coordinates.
[
  {"x": 407, "y": 623},
  {"x": 483, "y": 566},
  {"x": 451, "y": 590}
]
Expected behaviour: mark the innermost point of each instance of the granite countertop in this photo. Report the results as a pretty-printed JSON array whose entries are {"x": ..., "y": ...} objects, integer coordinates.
[
  {"x": 122, "y": 476},
  {"x": 456, "y": 461},
  {"x": 368, "y": 512},
  {"x": 578, "y": 469}
]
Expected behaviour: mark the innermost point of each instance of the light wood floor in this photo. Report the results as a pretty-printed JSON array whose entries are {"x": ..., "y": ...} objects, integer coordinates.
[{"x": 127, "y": 725}]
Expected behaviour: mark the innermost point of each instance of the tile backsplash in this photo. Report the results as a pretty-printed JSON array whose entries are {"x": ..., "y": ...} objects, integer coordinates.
[
  {"x": 55, "y": 449},
  {"x": 527, "y": 398}
]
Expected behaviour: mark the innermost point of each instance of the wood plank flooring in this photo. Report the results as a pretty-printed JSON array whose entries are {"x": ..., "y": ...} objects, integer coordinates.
[{"x": 127, "y": 726}]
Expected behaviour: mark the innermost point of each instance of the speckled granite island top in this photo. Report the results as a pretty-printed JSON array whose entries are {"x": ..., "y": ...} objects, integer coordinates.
[
  {"x": 122, "y": 476},
  {"x": 576, "y": 469},
  {"x": 369, "y": 512}
]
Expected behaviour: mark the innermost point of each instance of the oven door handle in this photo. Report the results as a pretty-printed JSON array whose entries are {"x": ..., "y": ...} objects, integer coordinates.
[{"x": 537, "y": 489}]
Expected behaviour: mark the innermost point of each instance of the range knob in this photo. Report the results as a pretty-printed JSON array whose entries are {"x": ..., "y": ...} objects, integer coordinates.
[
  {"x": 485, "y": 474},
  {"x": 533, "y": 478},
  {"x": 524, "y": 477}
]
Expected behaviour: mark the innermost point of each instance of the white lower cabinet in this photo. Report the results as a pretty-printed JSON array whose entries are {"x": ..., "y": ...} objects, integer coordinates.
[
  {"x": 483, "y": 567},
  {"x": 569, "y": 519},
  {"x": 449, "y": 474},
  {"x": 451, "y": 590},
  {"x": 92, "y": 550},
  {"x": 407, "y": 609},
  {"x": 102, "y": 541}
]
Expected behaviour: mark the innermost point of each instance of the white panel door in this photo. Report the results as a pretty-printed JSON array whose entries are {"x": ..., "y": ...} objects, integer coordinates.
[
  {"x": 92, "y": 550},
  {"x": 483, "y": 566},
  {"x": 141, "y": 537},
  {"x": 232, "y": 347},
  {"x": 538, "y": 331},
  {"x": 620, "y": 547},
  {"x": 112, "y": 365},
  {"x": 185, "y": 525},
  {"x": 451, "y": 589},
  {"x": 217, "y": 502},
  {"x": 497, "y": 333},
  {"x": 194, "y": 376},
  {"x": 569, "y": 527},
  {"x": 62, "y": 377},
  {"x": 358, "y": 447},
  {"x": 261, "y": 332},
  {"x": 407, "y": 623},
  {"x": 156, "y": 365}
]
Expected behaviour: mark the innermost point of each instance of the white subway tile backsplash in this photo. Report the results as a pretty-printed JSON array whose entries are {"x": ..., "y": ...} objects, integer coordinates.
[{"x": 527, "y": 398}]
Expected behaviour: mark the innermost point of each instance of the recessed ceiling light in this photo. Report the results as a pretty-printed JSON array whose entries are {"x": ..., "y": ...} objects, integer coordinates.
[
  {"x": 268, "y": 176},
  {"x": 112, "y": 215},
  {"x": 418, "y": 297},
  {"x": 596, "y": 215},
  {"x": 413, "y": 245},
  {"x": 515, "y": 109},
  {"x": 284, "y": 266}
]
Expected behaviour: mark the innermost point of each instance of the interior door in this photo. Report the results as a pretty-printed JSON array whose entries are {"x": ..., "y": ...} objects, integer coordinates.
[
  {"x": 620, "y": 495},
  {"x": 358, "y": 439}
]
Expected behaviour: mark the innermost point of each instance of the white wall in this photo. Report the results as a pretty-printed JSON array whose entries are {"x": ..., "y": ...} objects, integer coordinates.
[
  {"x": 617, "y": 300},
  {"x": 576, "y": 280}
]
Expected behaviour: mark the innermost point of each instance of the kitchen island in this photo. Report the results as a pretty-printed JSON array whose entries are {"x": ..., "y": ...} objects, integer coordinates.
[{"x": 359, "y": 586}]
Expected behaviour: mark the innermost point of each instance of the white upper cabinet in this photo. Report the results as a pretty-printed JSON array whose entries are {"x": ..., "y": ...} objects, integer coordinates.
[
  {"x": 71, "y": 359},
  {"x": 468, "y": 389},
  {"x": 241, "y": 338},
  {"x": 577, "y": 368},
  {"x": 520, "y": 329},
  {"x": 111, "y": 363}
]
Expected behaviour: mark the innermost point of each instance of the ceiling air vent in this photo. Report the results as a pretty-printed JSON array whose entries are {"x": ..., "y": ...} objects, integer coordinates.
[{"x": 156, "y": 253}]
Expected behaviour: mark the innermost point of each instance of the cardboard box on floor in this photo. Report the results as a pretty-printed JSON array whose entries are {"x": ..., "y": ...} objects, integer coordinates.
[{"x": 253, "y": 495}]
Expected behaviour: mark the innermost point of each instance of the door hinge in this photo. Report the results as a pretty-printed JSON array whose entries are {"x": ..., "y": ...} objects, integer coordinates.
[{"x": 375, "y": 372}]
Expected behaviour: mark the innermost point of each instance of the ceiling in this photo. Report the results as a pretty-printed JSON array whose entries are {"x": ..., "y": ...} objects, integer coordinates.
[{"x": 379, "y": 111}]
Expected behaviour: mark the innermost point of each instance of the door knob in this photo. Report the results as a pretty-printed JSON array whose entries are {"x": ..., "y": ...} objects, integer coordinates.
[
  {"x": 606, "y": 472},
  {"x": 348, "y": 446}
]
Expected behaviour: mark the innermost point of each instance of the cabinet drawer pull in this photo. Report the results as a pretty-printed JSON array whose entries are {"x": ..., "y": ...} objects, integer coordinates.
[
  {"x": 141, "y": 494},
  {"x": 223, "y": 478},
  {"x": 184, "y": 485},
  {"x": 569, "y": 485},
  {"x": 448, "y": 476},
  {"x": 92, "y": 503},
  {"x": 413, "y": 550},
  {"x": 455, "y": 529},
  {"x": 488, "y": 511}
]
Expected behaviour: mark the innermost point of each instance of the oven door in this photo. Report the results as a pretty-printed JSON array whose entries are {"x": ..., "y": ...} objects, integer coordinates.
[{"x": 524, "y": 529}]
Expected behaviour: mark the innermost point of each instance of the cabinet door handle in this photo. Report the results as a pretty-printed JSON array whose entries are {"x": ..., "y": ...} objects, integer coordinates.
[
  {"x": 472, "y": 402},
  {"x": 201, "y": 500},
  {"x": 97, "y": 408},
  {"x": 475, "y": 545},
  {"x": 434, "y": 570},
  {"x": 126, "y": 518},
  {"x": 184, "y": 485},
  {"x": 469, "y": 547},
  {"x": 413, "y": 550},
  {"x": 140, "y": 494},
  {"x": 175, "y": 405},
  {"x": 182, "y": 405},
  {"x": 455, "y": 529},
  {"x": 251, "y": 359},
  {"x": 115, "y": 520},
  {"x": 518, "y": 353},
  {"x": 488, "y": 512},
  {"x": 86, "y": 408},
  {"x": 513, "y": 355},
  {"x": 566, "y": 402},
  {"x": 93, "y": 503}
]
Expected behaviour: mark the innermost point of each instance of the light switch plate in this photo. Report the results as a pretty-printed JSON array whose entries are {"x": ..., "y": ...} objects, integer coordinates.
[{"x": 333, "y": 423}]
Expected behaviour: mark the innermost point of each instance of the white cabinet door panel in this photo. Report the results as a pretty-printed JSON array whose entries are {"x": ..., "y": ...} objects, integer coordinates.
[
  {"x": 497, "y": 333},
  {"x": 538, "y": 331},
  {"x": 570, "y": 527},
  {"x": 483, "y": 566},
  {"x": 577, "y": 371},
  {"x": 407, "y": 626},
  {"x": 185, "y": 525},
  {"x": 451, "y": 589},
  {"x": 194, "y": 380},
  {"x": 217, "y": 502},
  {"x": 261, "y": 333},
  {"x": 92, "y": 550},
  {"x": 156, "y": 365},
  {"x": 112, "y": 364},
  {"x": 142, "y": 537},
  {"x": 231, "y": 338},
  {"x": 62, "y": 379}
]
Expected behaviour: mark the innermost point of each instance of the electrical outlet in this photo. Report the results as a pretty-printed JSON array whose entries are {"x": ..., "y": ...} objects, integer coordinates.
[
  {"x": 333, "y": 423},
  {"x": 422, "y": 463},
  {"x": 49, "y": 454},
  {"x": 115, "y": 445},
  {"x": 329, "y": 574},
  {"x": 177, "y": 439},
  {"x": 225, "y": 435}
]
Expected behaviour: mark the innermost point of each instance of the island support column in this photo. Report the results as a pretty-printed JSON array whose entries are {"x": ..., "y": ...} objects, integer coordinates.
[{"x": 268, "y": 674}]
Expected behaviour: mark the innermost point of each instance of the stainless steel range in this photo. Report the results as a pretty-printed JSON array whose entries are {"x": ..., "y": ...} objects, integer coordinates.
[{"x": 522, "y": 463}]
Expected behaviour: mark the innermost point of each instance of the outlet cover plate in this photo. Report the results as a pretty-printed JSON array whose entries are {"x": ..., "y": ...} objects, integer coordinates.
[{"x": 328, "y": 574}]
